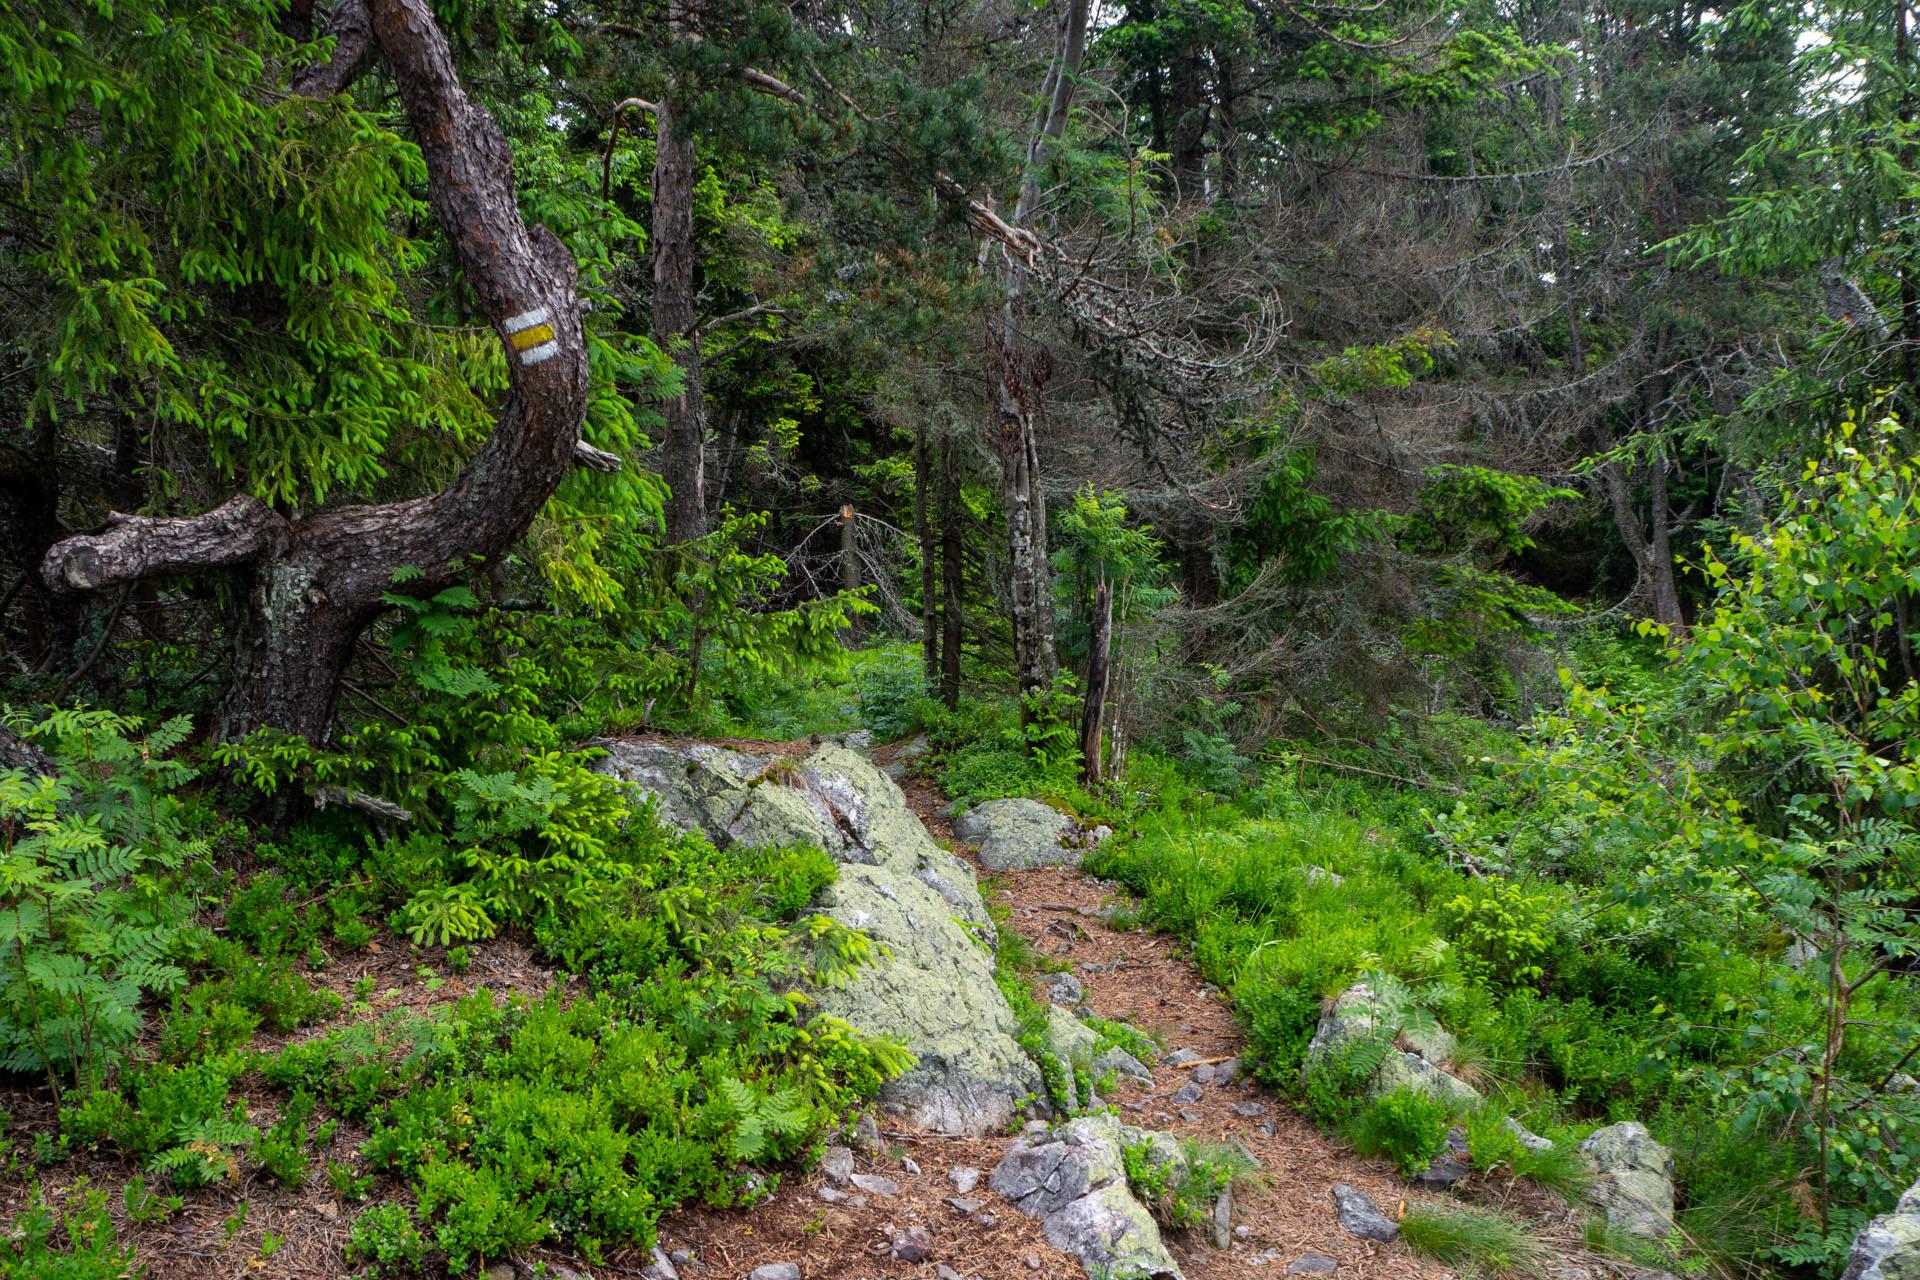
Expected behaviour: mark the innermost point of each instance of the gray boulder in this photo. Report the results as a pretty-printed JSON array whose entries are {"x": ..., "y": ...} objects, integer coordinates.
[
  {"x": 1454, "y": 1162},
  {"x": 1120, "y": 1062},
  {"x": 1888, "y": 1248},
  {"x": 1064, "y": 988},
  {"x": 1358, "y": 1015},
  {"x": 1074, "y": 1180},
  {"x": 1411, "y": 1071},
  {"x": 1017, "y": 833},
  {"x": 1632, "y": 1178},
  {"x": 933, "y": 987}
]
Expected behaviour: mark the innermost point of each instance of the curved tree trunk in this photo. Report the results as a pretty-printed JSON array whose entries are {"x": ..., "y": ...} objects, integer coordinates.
[{"x": 312, "y": 584}]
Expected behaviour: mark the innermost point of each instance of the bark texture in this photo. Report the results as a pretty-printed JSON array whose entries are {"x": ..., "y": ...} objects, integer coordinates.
[
  {"x": 684, "y": 444},
  {"x": 312, "y": 584},
  {"x": 1020, "y": 377},
  {"x": 952, "y": 576},
  {"x": 1093, "y": 719},
  {"x": 1650, "y": 543}
]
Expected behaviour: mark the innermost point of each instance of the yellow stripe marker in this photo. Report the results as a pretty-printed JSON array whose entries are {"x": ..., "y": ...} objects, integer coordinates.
[{"x": 531, "y": 335}]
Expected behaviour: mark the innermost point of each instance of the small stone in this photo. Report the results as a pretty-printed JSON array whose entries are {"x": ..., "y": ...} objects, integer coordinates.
[
  {"x": 831, "y": 1196},
  {"x": 876, "y": 1184},
  {"x": 1251, "y": 1110},
  {"x": 1203, "y": 1074},
  {"x": 1223, "y": 1219},
  {"x": 1530, "y": 1140},
  {"x": 910, "y": 1167},
  {"x": 837, "y": 1164},
  {"x": 1451, "y": 1165},
  {"x": 1229, "y": 1071},
  {"x": 1266, "y": 1130},
  {"x": 683, "y": 1258},
  {"x": 776, "y": 1271},
  {"x": 1034, "y": 1127},
  {"x": 1241, "y": 1233},
  {"x": 661, "y": 1268},
  {"x": 912, "y": 1245},
  {"x": 1064, "y": 988},
  {"x": 1033, "y": 1261},
  {"x": 1180, "y": 1058},
  {"x": 945, "y": 1272},
  {"x": 963, "y": 1204},
  {"x": 1360, "y": 1216},
  {"x": 1189, "y": 1093},
  {"x": 869, "y": 1134},
  {"x": 986, "y": 1219},
  {"x": 1189, "y": 1115},
  {"x": 500, "y": 1271},
  {"x": 1311, "y": 1264},
  {"x": 964, "y": 1178}
]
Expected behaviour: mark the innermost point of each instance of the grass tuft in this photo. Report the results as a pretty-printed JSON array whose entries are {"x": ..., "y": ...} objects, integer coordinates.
[{"x": 1471, "y": 1238}]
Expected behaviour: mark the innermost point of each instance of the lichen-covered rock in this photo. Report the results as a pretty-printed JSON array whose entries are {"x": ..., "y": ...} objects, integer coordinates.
[
  {"x": 1074, "y": 1179},
  {"x": 1119, "y": 1061},
  {"x": 1017, "y": 833},
  {"x": 1411, "y": 1071},
  {"x": 1358, "y": 1014},
  {"x": 933, "y": 988},
  {"x": 1632, "y": 1178},
  {"x": 1525, "y": 1136},
  {"x": 1888, "y": 1248},
  {"x": 1068, "y": 1037}
]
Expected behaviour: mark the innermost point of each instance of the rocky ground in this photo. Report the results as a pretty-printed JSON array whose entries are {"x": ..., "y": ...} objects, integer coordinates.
[
  {"x": 908, "y": 1201},
  {"x": 1287, "y": 1221}
]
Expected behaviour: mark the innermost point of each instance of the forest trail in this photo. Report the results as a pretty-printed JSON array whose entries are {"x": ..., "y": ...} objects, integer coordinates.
[{"x": 1144, "y": 979}]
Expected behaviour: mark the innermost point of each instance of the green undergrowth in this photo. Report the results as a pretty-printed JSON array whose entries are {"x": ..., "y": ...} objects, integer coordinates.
[
  {"x": 1573, "y": 1008},
  {"x": 677, "y": 1060}
]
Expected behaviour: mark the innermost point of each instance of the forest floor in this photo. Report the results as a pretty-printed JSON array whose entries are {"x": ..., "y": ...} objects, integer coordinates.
[{"x": 253, "y": 1228}]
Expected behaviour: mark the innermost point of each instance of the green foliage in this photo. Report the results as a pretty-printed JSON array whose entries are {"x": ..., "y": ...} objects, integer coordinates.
[
  {"x": 1503, "y": 928},
  {"x": 1475, "y": 509},
  {"x": 1181, "y": 1193},
  {"x": 385, "y": 1237},
  {"x": 176, "y": 1119},
  {"x": 88, "y": 911},
  {"x": 1292, "y": 528},
  {"x": 1408, "y": 1125},
  {"x": 33, "y": 1249}
]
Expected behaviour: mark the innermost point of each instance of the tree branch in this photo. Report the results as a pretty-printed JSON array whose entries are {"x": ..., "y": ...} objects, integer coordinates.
[
  {"x": 586, "y": 455},
  {"x": 135, "y": 547},
  {"x": 351, "y": 31}
]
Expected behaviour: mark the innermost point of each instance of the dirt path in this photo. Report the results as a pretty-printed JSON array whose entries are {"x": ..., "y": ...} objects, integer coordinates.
[{"x": 1134, "y": 976}]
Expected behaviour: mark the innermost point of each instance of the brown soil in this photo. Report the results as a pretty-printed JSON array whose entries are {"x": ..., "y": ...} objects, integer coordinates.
[{"x": 224, "y": 1231}]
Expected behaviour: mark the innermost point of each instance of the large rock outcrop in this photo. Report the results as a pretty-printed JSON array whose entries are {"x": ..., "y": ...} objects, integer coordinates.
[
  {"x": 1888, "y": 1248},
  {"x": 1075, "y": 1180},
  {"x": 1632, "y": 1178},
  {"x": 935, "y": 989}
]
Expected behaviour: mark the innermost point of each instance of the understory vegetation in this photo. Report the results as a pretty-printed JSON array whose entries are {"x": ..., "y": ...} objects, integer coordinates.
[{"x": 1439, "y": 485}]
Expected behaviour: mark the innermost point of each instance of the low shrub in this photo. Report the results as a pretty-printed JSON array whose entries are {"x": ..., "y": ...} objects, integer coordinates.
[{"x": 1408, "y": 1125}]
